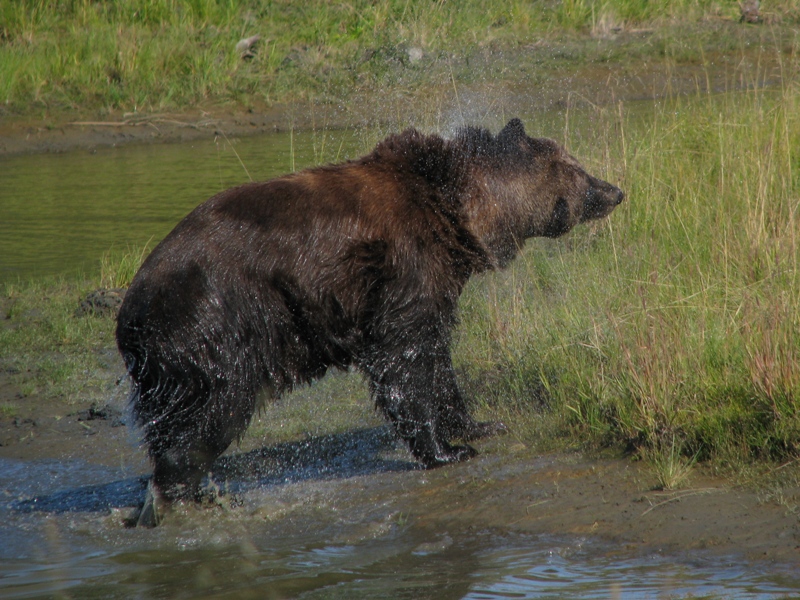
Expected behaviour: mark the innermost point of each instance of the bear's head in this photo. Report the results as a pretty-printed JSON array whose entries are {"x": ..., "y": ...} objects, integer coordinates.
[{"x": 531, "y": 187}]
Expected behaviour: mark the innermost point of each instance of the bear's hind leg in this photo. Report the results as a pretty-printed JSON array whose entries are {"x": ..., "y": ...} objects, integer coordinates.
[
  {"x": 183, "y": 445},
  {"x": 177, "y": 473}
]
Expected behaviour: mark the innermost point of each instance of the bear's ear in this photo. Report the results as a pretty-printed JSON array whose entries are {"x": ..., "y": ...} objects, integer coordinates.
[{"x": 511, "y": 134}]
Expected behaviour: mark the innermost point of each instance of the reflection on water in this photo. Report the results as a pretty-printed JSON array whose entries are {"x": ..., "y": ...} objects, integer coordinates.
[
  {"x": 475, "y": 567},
  {"x": 290, "y": 549}
]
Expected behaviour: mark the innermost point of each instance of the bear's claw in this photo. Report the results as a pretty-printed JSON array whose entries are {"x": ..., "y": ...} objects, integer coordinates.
[
  {"x": 152, "y": 511},
  {"x": 454, "y": 454}
]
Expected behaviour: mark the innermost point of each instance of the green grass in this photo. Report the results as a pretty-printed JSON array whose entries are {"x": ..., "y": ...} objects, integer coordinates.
[
  {"x": 672, "y": 329},
  {"x": 52, "y": 353},
  {"x": 117, "y": 267},
  {"x": 154, "y": 55},
  {"x": 8, "y": 410},
  {"x": 336, "y": 404}
]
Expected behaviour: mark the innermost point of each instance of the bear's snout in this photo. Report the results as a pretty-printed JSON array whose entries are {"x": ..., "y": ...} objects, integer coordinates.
[{"x": 601, "y": 198}]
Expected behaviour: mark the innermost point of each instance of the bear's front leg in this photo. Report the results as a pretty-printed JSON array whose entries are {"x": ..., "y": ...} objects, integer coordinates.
[
  {"x": 404, "y": 388},
  {"x": 453, "y": 416},
  {"x": 415, "y": 423}
]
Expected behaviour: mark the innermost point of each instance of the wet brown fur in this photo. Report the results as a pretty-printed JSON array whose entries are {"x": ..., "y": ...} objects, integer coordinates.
[{"x": 269, "y": 284}]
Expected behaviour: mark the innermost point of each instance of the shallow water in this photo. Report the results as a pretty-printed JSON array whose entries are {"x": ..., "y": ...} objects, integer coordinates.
[{"x": 295, "y": 536}]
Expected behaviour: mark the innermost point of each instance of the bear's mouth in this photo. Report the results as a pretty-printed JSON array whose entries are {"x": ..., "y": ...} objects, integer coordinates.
[{"x": 560, "y": 221}]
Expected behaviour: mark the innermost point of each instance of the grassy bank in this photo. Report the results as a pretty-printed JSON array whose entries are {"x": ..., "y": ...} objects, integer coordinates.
[
  {"x": 47, "y": 353},
  {"x": 673, "y": 329},
  {"x": 154, "y": 55}
]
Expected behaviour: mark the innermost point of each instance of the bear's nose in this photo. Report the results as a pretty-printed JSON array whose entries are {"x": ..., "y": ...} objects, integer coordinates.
[{"x": 619, "y": 197}]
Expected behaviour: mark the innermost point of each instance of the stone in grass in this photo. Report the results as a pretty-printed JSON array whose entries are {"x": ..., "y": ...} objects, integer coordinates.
[
  {"x": 246, "y": 46},
  {"x": 101, "y": 302}
]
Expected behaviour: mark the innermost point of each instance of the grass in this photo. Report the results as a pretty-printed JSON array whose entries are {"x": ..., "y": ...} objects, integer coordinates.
[
  {"x": 336, "y": 404},
  {"x": 117, "y": 267},
  {"x": 673, "y": 329},
  {"x": 8, "y": 410},
  {"x": 155, "y": 55},
  {"x": 669, "y": 463},
  {"x": 51, "y": 353}
]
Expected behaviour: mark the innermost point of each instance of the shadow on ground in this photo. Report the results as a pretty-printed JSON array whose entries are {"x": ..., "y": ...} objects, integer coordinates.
[{"x": 339, "y": 456}]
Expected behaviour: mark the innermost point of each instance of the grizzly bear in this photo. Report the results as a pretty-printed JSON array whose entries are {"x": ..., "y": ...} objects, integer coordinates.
[{"x": 266, "y": 286}]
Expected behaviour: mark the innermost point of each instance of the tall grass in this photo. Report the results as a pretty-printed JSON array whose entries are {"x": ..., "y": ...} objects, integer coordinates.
[
  {"x": 674, "y": 327},
  {"x": 150, "y": 55},
  {"x": 118, "y": 267}
]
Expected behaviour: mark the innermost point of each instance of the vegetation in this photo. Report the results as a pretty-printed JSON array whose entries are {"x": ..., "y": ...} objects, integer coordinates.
[
  {"x": 48, "y": 350},
  {"x": 118, "y": 267},
  {"x": 153, "y": 55},
  {"x": 674, "y": 328}
]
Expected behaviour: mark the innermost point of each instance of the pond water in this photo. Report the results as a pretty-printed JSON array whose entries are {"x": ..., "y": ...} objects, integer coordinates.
[
  {"x": 61, "y": 212},
  {"x": 296, "y": 538}
]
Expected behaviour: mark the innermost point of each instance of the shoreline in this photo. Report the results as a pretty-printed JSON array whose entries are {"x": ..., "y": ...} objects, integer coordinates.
[
  {"x": 490, "y": 83},
  {"x": 550, "y": 492}
]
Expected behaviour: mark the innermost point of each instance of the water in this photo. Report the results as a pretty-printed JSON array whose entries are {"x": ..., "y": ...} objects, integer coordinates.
[
  {"x": 299, "y": 538},
  {"x": 61, "y": 212}
]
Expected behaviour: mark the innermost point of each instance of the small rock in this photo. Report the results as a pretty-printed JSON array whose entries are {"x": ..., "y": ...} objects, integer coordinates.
[
  {"x": 749, "y": 10},
  {"x": 101, "y": 302},
  {"x": 434, "y": 547},
  {"x": 415, "y": 55},
  {"x": 103, "y": 413},
  {"x": 246, "y": 46}
]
